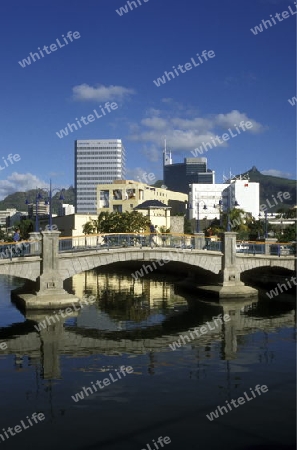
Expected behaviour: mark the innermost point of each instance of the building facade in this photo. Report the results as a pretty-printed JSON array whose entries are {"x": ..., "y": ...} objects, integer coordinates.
[
  {"x": 206, "y": 201},
  {"x": 125, "y": 195},
  {"x": 246, "y": 194},
  {"x": 96, "y": 162},
  {"x": 177, "y": 177},
  {"x": 209, "y": 201}
]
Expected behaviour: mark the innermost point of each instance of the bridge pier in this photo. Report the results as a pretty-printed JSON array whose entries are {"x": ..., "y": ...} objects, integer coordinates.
[
  {"x": 231, "y": 285},
  {"x": 48, "y": 292}
]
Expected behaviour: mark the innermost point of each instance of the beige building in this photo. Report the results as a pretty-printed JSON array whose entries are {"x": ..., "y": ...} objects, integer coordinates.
[
  {"x": 70, "y": 225},
  {"x": 157, "y": 212},
  {"x": 125, "y": 195}
]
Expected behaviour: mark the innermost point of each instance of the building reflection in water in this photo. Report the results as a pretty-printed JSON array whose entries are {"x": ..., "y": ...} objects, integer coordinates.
[{"x": 142, "y": 317}]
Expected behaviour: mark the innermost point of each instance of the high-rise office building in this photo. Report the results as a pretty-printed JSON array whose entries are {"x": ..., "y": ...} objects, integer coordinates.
[
  {"x": 96, "y": 162},
  {"x": 177, "y": 177}
]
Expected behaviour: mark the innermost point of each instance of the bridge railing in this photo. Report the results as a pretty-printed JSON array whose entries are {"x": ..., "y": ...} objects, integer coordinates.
[
  {"x": 262, "y": 248},
  {"x": 256, "y": 248},
  {"x": 9, "y": 250},
  {"x": 122, "y": 240},
  {"x": 168, "y": 240}
]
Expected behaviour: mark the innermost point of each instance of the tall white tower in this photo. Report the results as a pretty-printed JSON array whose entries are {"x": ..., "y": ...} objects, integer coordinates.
[{"x": 167, "y": 159}]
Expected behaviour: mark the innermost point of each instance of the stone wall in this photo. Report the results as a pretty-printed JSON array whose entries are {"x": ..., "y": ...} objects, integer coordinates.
[{"x": 176, "y": 224}]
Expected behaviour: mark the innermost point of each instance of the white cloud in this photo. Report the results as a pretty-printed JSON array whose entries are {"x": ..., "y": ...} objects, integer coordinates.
[
  {"x": 277, "y": 173},
  {"x": 152, "y": 152},
  {"x": 234, "y": 118},
  {"x": 196, "y": 124},
  {"x": 167, "y": 100},
  {"x": 155, "y": 122},
  {"x": 184, "y": 134},
  {"x": 141, "y": 175},
  {"x": 18, "y": 182},
  {"x": 101, "y": 93}
]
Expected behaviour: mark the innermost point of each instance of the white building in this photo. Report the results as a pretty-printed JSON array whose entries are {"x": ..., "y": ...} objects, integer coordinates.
[
  {"x": 4, "y": 214},
  {"x": 96, "y": 162},
  {"x": 246, "y": 194},
  {"x": 66, "y": 209},
  {"x": 208, "y": 200}
]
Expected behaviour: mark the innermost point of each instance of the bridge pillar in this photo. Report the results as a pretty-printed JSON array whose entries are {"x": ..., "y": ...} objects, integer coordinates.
[
  {"x": 268, "y": 242},
  {"x": 48, "y": 292},
  {"x": 199, "y": 241},
  {"x": 231, "y": 276},
  {"x": 231, "y": 285}
]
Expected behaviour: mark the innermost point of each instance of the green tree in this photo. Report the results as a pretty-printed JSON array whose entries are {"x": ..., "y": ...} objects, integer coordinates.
[
  {"x": 115, "y": 222},
  {"x": 88, "y": 227},
  {"x": 25, "y": 227}
]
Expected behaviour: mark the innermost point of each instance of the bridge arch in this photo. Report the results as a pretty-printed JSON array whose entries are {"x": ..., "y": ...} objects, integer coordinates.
[{"x": 209, "y": 261}]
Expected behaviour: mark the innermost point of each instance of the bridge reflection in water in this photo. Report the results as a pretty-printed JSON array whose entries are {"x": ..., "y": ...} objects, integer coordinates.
[{"x": 142, "y": 319}]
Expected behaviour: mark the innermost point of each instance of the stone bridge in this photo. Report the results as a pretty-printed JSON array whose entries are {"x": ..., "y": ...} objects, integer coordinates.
[{"x": 48, "y": 271}]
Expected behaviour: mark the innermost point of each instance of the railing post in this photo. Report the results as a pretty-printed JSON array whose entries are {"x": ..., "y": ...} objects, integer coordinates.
[
  {"x": 268, "y": 242},
  {"x": 199, "y": 241},
  {"x": 35, "y": 243}
]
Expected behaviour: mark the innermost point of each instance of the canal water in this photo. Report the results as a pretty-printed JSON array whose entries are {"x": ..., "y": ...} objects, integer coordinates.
[{"x": 153, "y": 389}]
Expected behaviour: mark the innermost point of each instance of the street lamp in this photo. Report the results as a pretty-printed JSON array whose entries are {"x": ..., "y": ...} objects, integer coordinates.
[
  {"x": 229, "y": 209},
  {"x": 38, "y": 197},
  {"x": 265, "y": 224},
  {"x": 220, "y": 207},
  {"x": 50, "y": 203},
  {"x": 46, "y": 202},
  {"x": 198, "y": 214}
]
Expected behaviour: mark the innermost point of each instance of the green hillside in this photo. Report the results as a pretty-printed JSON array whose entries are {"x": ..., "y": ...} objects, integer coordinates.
[{"x": 18, "y": 199}]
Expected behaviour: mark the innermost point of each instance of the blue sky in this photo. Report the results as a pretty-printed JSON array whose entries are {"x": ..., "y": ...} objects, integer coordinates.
[{"x": 117, "y": 58}]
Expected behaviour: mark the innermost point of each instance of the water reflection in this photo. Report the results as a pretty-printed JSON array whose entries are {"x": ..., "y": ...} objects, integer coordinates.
[{"x": 139, "y": 319}]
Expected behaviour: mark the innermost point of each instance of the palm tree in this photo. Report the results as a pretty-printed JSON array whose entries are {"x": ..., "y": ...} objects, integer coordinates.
[{"x": 88, "y": 228}]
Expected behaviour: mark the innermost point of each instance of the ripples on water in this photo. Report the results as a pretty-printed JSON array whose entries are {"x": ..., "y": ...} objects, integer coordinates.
[{"x": 169, "y": 392}]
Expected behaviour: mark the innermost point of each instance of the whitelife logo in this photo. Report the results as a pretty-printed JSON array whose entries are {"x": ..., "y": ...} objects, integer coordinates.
[
  {"x": 188, "y": 66},
  {"x": 285, "y": 15},
  {"x": 201, "y": 330},
  {"x": 225, "y": 137},
  {"x": 37, "y": 417},
  {"x": 106, "y": 382},
  {"x": 86, "y": 120},
  {"x": 161, "y": 441},
  {"x": 292, "y": 101},
  {"x": 240, "y": 400},
  {"x": 53, "y": 47},
  {"x": 16, "y": 157},
  {"x": 125, "y": 10}
]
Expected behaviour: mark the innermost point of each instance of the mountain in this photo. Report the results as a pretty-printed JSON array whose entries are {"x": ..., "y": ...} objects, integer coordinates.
[{"x": 17, "y": 200}]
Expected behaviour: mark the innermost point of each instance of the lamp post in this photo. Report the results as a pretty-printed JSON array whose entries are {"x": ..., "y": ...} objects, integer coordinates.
[
  {"x": 48, "y": 201},
  {"x": 265, "y": 224},
  {"x": 38, "y": 197},
  {"x": 198, "y": 214},
  {"x": 229, "y": 209},
  {"x": 219, "y": 206}
]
